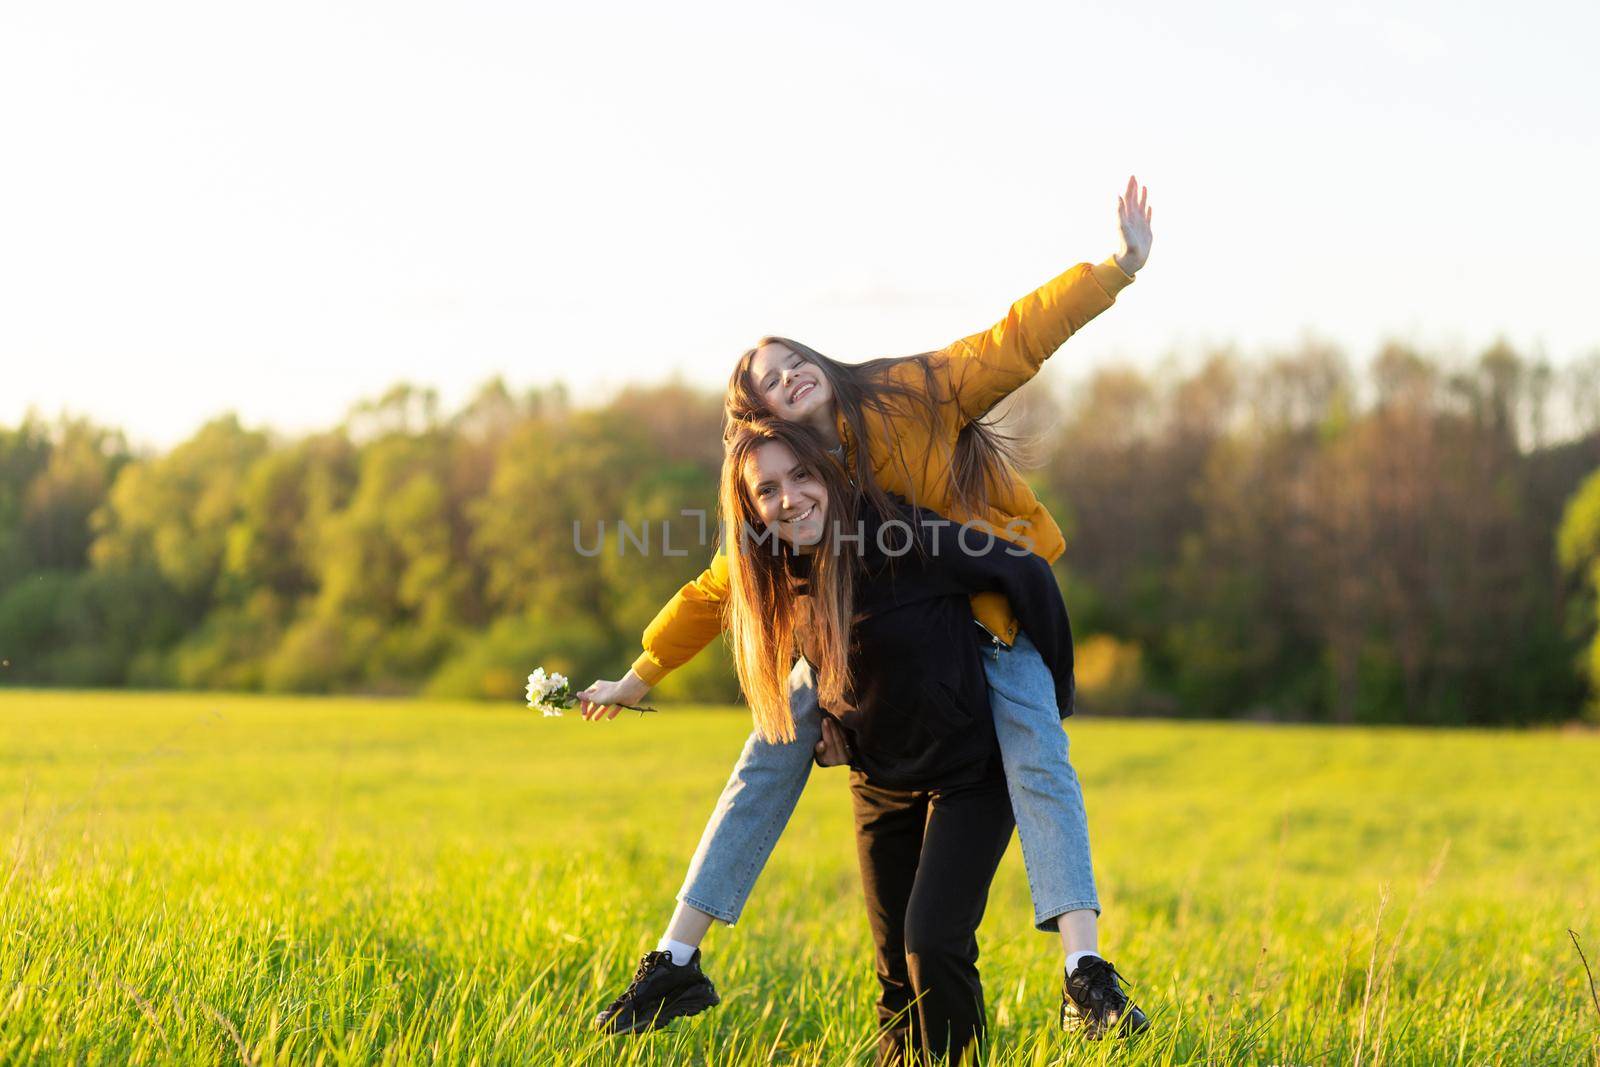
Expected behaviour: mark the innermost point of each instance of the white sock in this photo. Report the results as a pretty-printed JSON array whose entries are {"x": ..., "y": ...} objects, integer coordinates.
[
  {"x": 681, "y": 953},
  {"x": 1075, "y": 958}
]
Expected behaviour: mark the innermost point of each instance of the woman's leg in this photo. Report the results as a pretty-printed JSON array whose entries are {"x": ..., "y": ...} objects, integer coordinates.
[
  {"x": 889, "y": 826},
  {"x": 687, "y": 926},
  {"x": 751, "y": 813},
  {"x": 753, "y": 810},
  {"x": 1045, "y": 794},
  {"x": 967, "y": 832},
  {"x": 1055, "y": 837}
]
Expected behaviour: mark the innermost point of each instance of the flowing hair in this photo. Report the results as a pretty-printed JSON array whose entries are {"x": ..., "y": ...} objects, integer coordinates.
[
  {"x": 984, "y": 455},
  {"x": 765, "y": 613}
]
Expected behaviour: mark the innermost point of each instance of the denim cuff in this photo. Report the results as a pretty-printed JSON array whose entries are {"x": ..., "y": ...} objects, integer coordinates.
[
  {"x": 1045, "y": 920},
  {"x": 716, "y": 913}
]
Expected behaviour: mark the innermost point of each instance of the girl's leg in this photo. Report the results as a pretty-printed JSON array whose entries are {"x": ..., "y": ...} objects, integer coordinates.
[
  {"x": 754, "y": 808},
  {"x": 687, "y": 927},
  {"x": 1055, "y": 837},
  {"x": 967, "y": 832},
  {"x": 1080, "y": 934},
  {"x": 750, "y": 814},
  {"x": 1045, "y": 794},
  {"x": 889, "y": 826}
]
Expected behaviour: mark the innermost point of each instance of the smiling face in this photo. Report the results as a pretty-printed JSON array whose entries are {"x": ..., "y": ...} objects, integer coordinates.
[
  {"x": 787, "y": 496},
  {"x": 791, "y": 387}
]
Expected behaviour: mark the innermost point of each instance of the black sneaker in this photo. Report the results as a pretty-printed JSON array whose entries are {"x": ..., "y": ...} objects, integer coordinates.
[
  {"x": 1094, "y": 1005},
  {"x": 660, "y": 992}
]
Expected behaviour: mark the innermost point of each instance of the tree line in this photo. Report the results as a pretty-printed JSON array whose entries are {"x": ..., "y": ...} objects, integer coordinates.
[{"x": 1276, "y": 537}]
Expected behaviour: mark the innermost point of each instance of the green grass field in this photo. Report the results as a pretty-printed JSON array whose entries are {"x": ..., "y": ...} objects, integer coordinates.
[{"x": 216, "y": 878}]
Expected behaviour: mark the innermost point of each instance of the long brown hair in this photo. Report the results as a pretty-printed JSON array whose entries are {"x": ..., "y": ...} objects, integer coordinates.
[
  {"x": 765, "y": 613},
  {"x": 983, "y": 454}
]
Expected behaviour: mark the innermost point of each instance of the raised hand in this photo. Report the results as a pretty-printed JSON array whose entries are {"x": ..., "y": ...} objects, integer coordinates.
[{"x": 1133, "y": 220}]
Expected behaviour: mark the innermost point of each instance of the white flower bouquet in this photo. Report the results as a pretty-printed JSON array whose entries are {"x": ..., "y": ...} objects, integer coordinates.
[{"x": 550, "y": 693}]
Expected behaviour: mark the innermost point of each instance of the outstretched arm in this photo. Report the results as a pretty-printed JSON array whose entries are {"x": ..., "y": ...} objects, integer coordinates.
[
  {"x": 983, "y": 369},
  {"x": 687, "y": 624}
]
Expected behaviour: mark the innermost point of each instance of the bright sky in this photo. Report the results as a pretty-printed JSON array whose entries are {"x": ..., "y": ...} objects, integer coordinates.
[{"x": 281, "y": 208}]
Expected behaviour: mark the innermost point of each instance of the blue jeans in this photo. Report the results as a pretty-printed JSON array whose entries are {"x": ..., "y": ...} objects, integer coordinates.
[{"x": 1045, "y": 795}]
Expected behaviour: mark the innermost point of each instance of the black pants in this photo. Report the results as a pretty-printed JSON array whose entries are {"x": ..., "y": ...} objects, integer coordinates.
[{"x": 927, "y": 858}]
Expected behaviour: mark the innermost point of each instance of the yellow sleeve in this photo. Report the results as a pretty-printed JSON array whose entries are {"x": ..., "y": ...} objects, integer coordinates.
[
  {"x": 688, "y": 623},
  {"x": 983, "y": 369}
]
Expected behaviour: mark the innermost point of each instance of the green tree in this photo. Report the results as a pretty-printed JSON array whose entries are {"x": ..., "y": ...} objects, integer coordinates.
[
  {"x": 1578, "y": 550},
  {"x": 390, "y": 580},
  {"x": 24, "y": 452},
  {"x": 169, "y": 519},
  {"x": 174, "y": 512},
  {"x": 60, "y": 498}
]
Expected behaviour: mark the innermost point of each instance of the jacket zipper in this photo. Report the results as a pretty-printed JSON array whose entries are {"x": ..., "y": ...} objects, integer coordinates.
[{"x": 994, "y": 639}]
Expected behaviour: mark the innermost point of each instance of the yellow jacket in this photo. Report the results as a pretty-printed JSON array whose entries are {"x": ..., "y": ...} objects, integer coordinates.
[{"x": 971, "y": 376}]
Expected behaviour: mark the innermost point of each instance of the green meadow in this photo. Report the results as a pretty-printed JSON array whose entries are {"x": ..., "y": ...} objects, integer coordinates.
[{"x": 215, "y": 878}]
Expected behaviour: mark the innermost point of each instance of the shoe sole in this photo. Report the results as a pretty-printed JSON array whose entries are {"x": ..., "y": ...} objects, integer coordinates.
[
  {"x": 1124, "y": 1028},
  {"x": 683, "y": 1008}
]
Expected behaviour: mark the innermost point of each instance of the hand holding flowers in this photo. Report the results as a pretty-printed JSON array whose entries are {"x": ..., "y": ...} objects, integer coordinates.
[
  {"x": 603, "y": 699},
  {"x": 552, "y": 694}
]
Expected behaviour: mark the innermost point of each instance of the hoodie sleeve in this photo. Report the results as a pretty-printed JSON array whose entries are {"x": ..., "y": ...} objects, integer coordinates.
[
  {"x": 688, "y": 622},
  {"x": 981, "y": 370}
]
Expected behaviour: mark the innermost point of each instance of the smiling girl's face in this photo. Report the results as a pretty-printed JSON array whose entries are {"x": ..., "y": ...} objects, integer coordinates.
[
  {"x": 787, "y": 496},
  {"x": 792, "y": 388}
]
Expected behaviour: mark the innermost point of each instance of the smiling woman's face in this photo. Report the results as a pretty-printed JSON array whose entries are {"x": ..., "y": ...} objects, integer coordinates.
[
  {"x": 788, "y": 497},
  {"x": 793, "y": 388}
]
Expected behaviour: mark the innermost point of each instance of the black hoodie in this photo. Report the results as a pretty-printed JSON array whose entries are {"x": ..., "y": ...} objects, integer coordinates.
[{"x": 917, "y": 716}]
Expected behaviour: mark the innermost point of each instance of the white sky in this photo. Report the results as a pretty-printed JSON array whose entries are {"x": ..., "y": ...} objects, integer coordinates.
[{"x": 281, "y": 208}]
